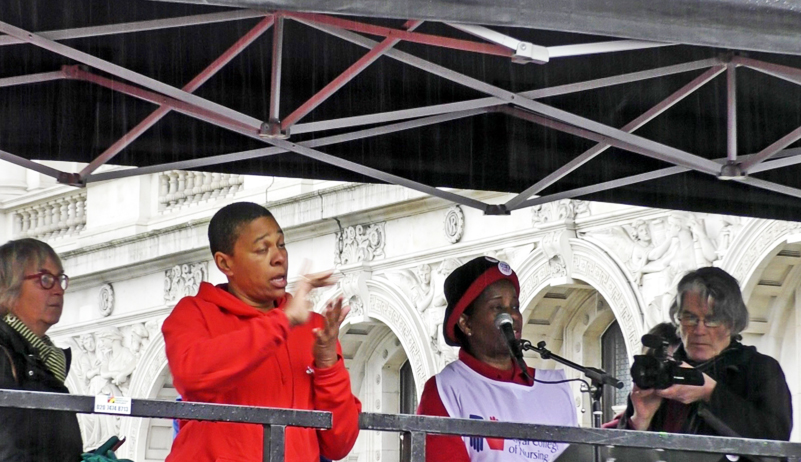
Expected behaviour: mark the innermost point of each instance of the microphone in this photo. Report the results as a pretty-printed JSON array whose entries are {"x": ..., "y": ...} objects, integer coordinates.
[
  {"x": 505, "y": 324},
  {"x": 652, "y": 341}
]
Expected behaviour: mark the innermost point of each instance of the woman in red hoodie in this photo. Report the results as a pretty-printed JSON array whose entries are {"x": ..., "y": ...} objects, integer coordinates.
[{"x": 251, "y": 343}]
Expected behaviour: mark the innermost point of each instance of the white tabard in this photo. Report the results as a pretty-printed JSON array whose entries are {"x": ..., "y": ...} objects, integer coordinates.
[{"x": 466, "y": 394}]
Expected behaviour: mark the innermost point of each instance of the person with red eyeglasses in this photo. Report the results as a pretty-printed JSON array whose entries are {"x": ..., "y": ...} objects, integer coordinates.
[{"x": 32, "y": 285}]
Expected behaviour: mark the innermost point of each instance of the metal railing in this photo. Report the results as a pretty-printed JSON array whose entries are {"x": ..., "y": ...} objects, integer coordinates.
[{"x": 415, "y": 427}]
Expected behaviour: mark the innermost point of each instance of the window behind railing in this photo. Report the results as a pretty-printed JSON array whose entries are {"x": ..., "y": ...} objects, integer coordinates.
[{"x": 615, "y": 362}]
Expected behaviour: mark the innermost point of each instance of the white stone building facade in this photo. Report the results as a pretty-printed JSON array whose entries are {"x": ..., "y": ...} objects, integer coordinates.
[{"x": 593, "y": 276}]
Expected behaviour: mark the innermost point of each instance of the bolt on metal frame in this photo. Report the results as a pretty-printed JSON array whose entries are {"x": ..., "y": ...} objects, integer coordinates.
[{"x": 523, "y": 105}]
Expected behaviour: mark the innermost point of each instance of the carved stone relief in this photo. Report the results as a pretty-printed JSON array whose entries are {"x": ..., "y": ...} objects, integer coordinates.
[
  {"x": 561, "y": 210},
  {"x": 556, "y": 246},
  {"x": 416, "y": 284},
  {"x": 138, "y": 338},
  {"x": 360, "y": 243},
  {"x": 356, "y": 306},
  {"x": 658, "y": 252},
  {"x": 454, "y": 224},
  {"x": 184, "y": 280},
  {"x": 355, "y": 292},
  {"x": 423, "y": 285},
  {"x": 105, "y": 299},
  {"x": 105, "y": 368},
  {"x": 103, "y": 363}
]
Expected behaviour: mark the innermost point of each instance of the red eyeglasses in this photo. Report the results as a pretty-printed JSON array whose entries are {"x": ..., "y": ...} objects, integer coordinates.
[{"x": 48, "y": 279}]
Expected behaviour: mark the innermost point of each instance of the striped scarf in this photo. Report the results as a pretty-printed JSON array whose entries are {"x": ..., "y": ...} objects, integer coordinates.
[{"x": 52, "y": 355}]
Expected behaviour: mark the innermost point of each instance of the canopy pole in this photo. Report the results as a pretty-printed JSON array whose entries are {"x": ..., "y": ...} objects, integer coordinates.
[
  {"x": 126, "y": 74},
  {"x": 233, "y": 125},
  {"x": 591, "y": 153},
  {"x": 273, "y": 126},
  {"x": 190, "y": 87},
  {"x": 345, "y": 77},
  {"x": 664, "y": 152},
  {"x": 139, "y": 26},
  {"x": 524, "y": 52},
  {"x": 265, "y": 152},
  {"x": 731, "y": 112},
  {"x": 491, "y": 101},
  {"x": 415, "y": 37},
  {"x": 779, "y": 163},
  {"x": 32, "y": 78},
  {"x": 661, "y": 173},
  {"x": 29, "y": 164}
]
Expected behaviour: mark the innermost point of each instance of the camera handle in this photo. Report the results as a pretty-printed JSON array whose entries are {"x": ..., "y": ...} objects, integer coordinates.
[{"x": 597, "y": 377}]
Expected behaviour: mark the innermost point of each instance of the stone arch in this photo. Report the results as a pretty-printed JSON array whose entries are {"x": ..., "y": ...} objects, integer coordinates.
[
  {"x": 386, "y": 303},
  {"x": 755, "y": 244},
  {"x": 597, "y": 268}
]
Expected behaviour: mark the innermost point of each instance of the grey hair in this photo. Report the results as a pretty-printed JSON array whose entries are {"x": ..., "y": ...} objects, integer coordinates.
[
  {"x": 15, "y": 258},
  {"x": 720, "y": 290}
]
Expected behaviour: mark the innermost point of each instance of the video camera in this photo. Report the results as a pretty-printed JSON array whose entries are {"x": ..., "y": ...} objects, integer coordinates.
[{"x": 660, "y": 371}]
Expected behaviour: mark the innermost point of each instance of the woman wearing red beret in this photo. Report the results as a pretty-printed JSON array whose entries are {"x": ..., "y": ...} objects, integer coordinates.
[{"x": 485, "y": 383}]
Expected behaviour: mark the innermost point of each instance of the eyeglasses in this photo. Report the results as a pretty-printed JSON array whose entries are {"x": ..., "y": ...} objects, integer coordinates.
[
  {"x": 690, "y": 320},
  {"x": 48, "y": 279}
]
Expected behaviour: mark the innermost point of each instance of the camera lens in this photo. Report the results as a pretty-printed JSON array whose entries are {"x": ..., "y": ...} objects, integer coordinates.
[{"x": 646, "y": 371}]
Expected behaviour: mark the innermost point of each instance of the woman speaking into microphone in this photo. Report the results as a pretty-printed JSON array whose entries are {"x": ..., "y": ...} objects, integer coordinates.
[{"x": 486, "y": 383}]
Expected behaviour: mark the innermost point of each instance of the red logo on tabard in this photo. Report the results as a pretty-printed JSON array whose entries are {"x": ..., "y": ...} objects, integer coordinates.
[{"x": 477, "y": 442}]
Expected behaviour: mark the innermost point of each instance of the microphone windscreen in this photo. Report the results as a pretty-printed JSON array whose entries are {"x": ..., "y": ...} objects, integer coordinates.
[
  {"x": 503, "y": 318},
  {"x": 652, "y": 341}
]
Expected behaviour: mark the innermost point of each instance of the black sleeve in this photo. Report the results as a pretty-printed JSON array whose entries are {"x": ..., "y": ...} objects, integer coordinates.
[
  {"x": 765, "y": 409},
  {"x": 7, "y": 370}
]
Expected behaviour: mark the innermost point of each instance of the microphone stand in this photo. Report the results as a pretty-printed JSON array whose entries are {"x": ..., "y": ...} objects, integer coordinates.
[
  {"x": 598, "y": 377},
  {"x": 517, "y": 355}
]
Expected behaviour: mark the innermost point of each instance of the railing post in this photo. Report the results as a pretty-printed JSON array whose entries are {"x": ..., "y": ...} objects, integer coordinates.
[
  {"x": 274, "y": 443},
  {"x": 418, "y": 444}
]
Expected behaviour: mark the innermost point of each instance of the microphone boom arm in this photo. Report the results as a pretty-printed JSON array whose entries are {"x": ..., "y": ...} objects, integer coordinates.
[{"x": 597, "y": 376}]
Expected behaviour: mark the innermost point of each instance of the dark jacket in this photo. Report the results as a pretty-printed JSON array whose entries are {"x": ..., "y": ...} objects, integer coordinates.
[
  {"x": 751, "y": 398},
  {"x": 33, "y": 435}
]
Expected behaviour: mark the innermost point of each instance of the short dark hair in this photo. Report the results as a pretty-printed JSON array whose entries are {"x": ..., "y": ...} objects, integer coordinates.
[
  {"x": 712, "y": 283},
  {"x": 227, "y": 223}
]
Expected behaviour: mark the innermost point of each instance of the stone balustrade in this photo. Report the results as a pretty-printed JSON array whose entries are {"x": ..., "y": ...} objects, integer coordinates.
[
  {"x": 56, "y": 218},
  {"x": 180, "y": 189}
]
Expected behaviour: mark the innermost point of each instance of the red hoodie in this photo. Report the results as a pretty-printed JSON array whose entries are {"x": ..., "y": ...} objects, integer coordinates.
[{"x": 221, "y": 350}]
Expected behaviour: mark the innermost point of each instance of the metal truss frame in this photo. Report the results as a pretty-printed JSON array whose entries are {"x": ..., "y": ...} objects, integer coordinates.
[{"x": 275, "y": 131}]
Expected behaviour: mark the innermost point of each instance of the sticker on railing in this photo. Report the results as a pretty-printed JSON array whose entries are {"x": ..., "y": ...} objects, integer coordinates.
[{"x": 109, "y": 404}]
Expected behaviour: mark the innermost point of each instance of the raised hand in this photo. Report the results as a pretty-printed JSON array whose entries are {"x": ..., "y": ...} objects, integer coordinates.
[
  {"x": 325, "y": 343},
  {"x": 298, "y": 309}
]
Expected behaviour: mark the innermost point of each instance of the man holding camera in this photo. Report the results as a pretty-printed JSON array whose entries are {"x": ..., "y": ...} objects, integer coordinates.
[{"x": 744, "y": 393}]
